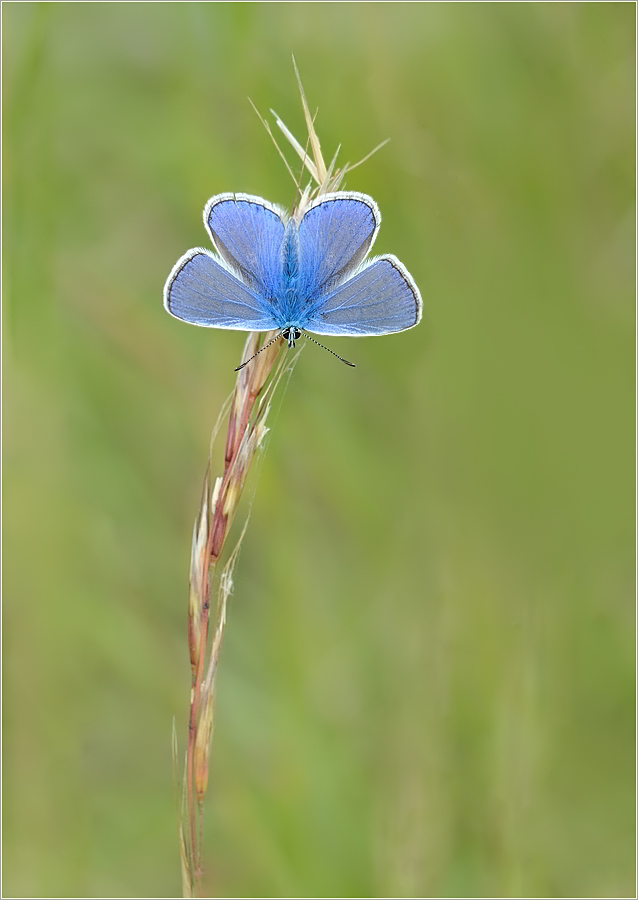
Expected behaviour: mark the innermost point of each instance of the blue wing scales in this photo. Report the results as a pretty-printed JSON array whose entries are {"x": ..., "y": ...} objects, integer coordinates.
[
  {"x": 247, "y": 233},
  {"x": 200, "y": 290},
  {"x": 335, "y": 235},
  {"x": 381, "y": 298}
]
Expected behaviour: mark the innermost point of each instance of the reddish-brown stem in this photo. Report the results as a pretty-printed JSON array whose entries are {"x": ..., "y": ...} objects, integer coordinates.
[
  {"x": 216, "y": 538},
  {"x": 198, "y": 676}
]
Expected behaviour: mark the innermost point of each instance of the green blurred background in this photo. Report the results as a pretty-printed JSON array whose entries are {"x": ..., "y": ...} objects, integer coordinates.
[{"x": 427, "y": 683}]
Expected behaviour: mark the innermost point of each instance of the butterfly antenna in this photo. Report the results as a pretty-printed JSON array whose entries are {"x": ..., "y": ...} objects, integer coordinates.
[
  {"x": 347, "y": 362},
  {"x": 265, "y": 347}
]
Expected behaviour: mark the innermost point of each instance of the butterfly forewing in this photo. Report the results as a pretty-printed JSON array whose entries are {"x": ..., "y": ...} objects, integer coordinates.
[
  {"x": 335, "y": 235},
  {"x": 202, "y": 291},
  {"x": 247, "y": 233},
  {"x": 381, "y": 298}
]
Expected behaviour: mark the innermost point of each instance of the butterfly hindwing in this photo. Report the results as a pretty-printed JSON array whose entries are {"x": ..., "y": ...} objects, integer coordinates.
[
  {"x": 202, "y": 291},
  {"x": 335, "y": 235},
  {"x": 381, "y": 298},
  {"x": 247, "y": 233}
]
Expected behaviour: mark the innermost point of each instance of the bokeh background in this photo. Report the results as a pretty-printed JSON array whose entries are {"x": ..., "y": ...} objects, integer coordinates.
[{"x": 427, "y": 683}]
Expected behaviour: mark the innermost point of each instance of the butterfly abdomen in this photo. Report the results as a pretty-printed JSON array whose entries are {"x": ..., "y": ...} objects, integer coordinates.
[{"x": 290, "y": 273}]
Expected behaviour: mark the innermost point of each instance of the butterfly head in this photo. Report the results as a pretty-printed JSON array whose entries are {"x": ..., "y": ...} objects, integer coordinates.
[{"x": 291, "y": 334}]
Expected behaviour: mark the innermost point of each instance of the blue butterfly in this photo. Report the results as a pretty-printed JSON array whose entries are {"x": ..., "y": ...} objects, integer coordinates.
[{"x": 296, "y": 275}]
